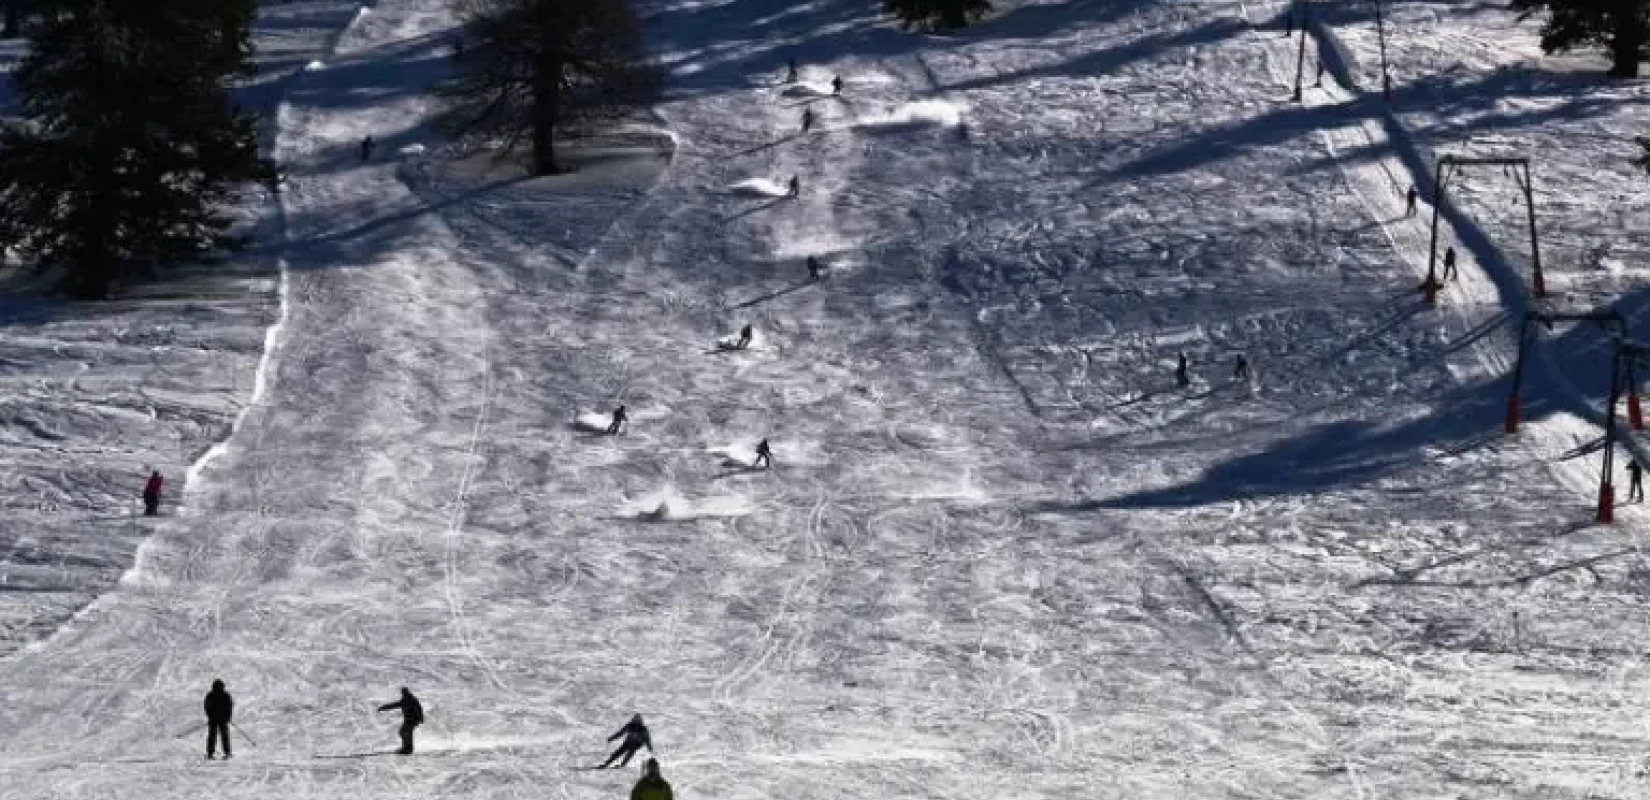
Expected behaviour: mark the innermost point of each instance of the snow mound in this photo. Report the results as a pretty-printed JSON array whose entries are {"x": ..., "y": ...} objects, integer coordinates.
[
  {"x": 806, "y": 90},
  {"x": 315, "y": 66},
  {"x": 668, "y": 505},
  {"x": 759, "y": 187},
  {"x": 921, "y": 114}
]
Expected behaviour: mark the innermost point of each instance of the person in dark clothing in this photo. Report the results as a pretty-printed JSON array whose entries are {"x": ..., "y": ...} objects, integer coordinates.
[
  {"x": 1409, "y": 201},
  {"x": 807, "y": 119},
  {"x": 151, "y": 494},
  {"x": 1182, "y": 374},
  {"x": 220, "y": 710},
  {"x": 836, "y": 86},
  {"x": 1289, "y": 23},
  {"x": 652, "y": 786},
  {"x": 790, "y": 72},
  {"x": 1635, "y": 482},
  {"x": 366, "y": 149},
  {"x": 796, "y": 186},
  {"x": 745, "y": 335},
  {"x": 635, "y": 738},
  {"x": 1241, "y": 371},
  {"x": 815, "y": 271},
  {"x": 619, "y": 419},
  {"x": 412, "y": 716},
  {"x": 764, "y": 455},
  {"x": 1449, "y": 265}
]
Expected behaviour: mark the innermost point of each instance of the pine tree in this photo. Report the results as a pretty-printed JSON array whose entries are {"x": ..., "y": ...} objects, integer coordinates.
[
  {"x": 937, "y": 14},
  {"x": 534, "y": 68},
  {"x": 1619, "y": 26},
  {"x": 129, "y": 144}
]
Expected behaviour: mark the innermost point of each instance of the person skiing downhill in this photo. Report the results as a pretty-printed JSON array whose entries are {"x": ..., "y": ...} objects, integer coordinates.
[
  {"x": 151, "y": 494},
  {"x": 1449, "y": 265},
  {"x": 635, "y": 738},
  {"x": 1635, "y": 482},
  {"x": 220, "y": 711},
  {"x": 807, "y": 119},
  {"x": 836, "y": 86},
  {"x": 412, "y": 716},
  {"x": 745, "y": 336},
  {"x": 815, "y": 271},
  {"x": 366, "y": 149},
  {"x": 652, "y": 786},
  {"x": 764, "y": 455},
  {"x": 1182, "y": 376},
  {"x": 1409, "y": 200},
  {"x": 795, "y": 186},
  {"x": 1241, "y": 371},
  {"x": 619, "y": 419}
]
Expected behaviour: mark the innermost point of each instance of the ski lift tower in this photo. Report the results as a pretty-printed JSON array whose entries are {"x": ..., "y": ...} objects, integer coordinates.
[
  {"x": 1446, "y": 168},
  {"x": 1611, "y": 321}
]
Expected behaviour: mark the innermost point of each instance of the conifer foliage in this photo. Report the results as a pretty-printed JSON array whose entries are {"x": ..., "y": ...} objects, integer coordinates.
[
  {"x": 129, "y": 143},
  {"x": 937, "y": 14},
  {"x": 1618, "y": 26}
]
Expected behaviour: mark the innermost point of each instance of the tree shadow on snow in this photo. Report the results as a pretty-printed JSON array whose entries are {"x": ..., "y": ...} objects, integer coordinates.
[{"x": 776, "y": 295}]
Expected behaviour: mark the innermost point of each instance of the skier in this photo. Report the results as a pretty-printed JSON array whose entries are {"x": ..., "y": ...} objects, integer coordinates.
[
  {"x": 1635, "y": 482},
  {"x": 151, "y": 494},
  {"x": 836, "y": 86},
  {"x": 1289, "y": 23},
  {"x": 220, "y": 709},
  {"x": 815, "y": 271},
  {"x": 1182, "y": 377},
  {"x": 1409, "y": 201},
  {"x": 635, "y": 738},
  {"x": 1241, "y": 371},
  {"x": 790, "y": 74},
  {"x": 619, "y": 419},
  {"x": 652, "y": 786},
  {"x": 744, "y": 341},
  {"x": 807, "y": 119},
  {"x": 366, "y": 149},
  {"x": 1449, "y": 265},
  {"x": 1318, "y": 82},
  {"x": 796, "y": 186},
  {"x": 412, "y": 716},
  {"x": 764, "y": 455}
]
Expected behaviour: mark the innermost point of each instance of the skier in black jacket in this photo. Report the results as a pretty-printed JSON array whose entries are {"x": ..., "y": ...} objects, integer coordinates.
[
  {"x": 220, "y": 709},
  {"x": 412, "y": 716},
  {"x": 635, "y": 738}
]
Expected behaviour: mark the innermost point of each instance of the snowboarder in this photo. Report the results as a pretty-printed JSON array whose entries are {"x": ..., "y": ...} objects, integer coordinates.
[
  {"x": 836, "y": 86},
  {"x": 795, "y": 186},
  {"x": 635, "y": 738},
  {"x": 1409, "y": 201},
  {"x": 790, "y": 74},
  {"x": 815, "y": 271},
  {"x": 619, "y": 419},
  {"x": 1182, "y": 375},
  {"x": 220, "y": 710},
  {"x": 764, "y": 455},
  {"x": 745, "y": 335},
  {"x": 1241, "y": 371},
  {"x": 412, "y": 716},
  {"x": 807, "y": 119},
  {"x": 1635, "y": 482},
  {"x": 366, "y": 149},
  {"x": 151, "y": 494},
  {"x": 652, "y": 786},
  {"x": 1449, "y": 265}
]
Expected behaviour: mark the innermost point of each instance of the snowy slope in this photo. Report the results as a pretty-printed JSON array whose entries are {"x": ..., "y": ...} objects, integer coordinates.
[{"x": 1001, "y": 554}]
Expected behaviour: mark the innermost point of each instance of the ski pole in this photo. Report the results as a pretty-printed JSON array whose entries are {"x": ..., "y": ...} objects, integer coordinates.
[{"x": 242, "y": 733}]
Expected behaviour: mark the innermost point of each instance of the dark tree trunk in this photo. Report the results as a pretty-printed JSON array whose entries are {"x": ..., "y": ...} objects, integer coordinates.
[{"x": 1627, "y": 43}]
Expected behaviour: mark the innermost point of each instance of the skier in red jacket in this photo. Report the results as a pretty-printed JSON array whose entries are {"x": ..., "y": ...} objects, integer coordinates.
[{"x": 151, "y": 494}]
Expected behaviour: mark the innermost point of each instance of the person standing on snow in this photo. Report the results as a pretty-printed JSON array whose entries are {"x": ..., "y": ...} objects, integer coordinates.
[
  {"x": 795, "y": 187},
  {"x": 366, "y": 149},
  {"x": 815, "y": 271},
  {"x": 1241, "y": 371},
  {"x": 1635, "y": 482},
  {"x": 836, "y": 86},
  {"x": 1409, "y": 201},
  {"x": 1182, "y": 374},
  {"x": 635, "y": 738},
  {"x": 220, "y": 711},
  {"x": 807, "y": 119},
  {"x": 764, "y": 455},
  {"x": 619, "y": 419},
  {"x": 745, "y": 336},
  {"x": 151, "y": 494},
  {"x": 790, "y": 74},
  {"x": 412, "y": 716},
  {"x": 1449, "y": 265},
  {"x": 652, "y": 786}
]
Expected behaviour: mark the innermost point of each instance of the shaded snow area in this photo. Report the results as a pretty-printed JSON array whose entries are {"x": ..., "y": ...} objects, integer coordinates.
[{"x": 1000, "y": 552}]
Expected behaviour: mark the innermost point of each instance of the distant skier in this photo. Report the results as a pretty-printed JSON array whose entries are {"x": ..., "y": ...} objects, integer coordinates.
[
  {"x": 790, "y": 72},
  {"x": 764, "y": 455},
  {"x": 795, "y": 186},
  {"x": 836, "y": 86},
  {"x": 366, "y": 149},
  {"x": 1635, "y": 482},
  {"x": 1409, "y": 201},
  {"x": 1449, "y": 265},
  {"x": 807, "y": 119},
  {"x": 1318, "y": 82},
  {"x": 1240, "y": 372},
  {"x": 1289, "y": 23},
  {"x": 220, "y": 710},
  {"x": 635, "y": 738},
  {"x": 619, "y": 419},
  {"x": 815, "y": 271},
  {"x": 151, "y": 494},
  {"x": 652, "y": 786},
  {"x": 412, "y": 716},
  {"x": 1182, "y": 373},
  {"x": 745, "y": 335}
]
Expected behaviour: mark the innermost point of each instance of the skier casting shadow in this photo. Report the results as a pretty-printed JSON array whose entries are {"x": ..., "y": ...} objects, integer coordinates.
[
  {"x": 635, "y": 738},
  {"x": 412, "y": 716},
  {"x": 619, "y": 419}
]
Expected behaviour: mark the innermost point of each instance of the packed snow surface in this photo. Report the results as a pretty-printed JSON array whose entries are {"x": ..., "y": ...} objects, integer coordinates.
[{"x": 1000, "y": 552}]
